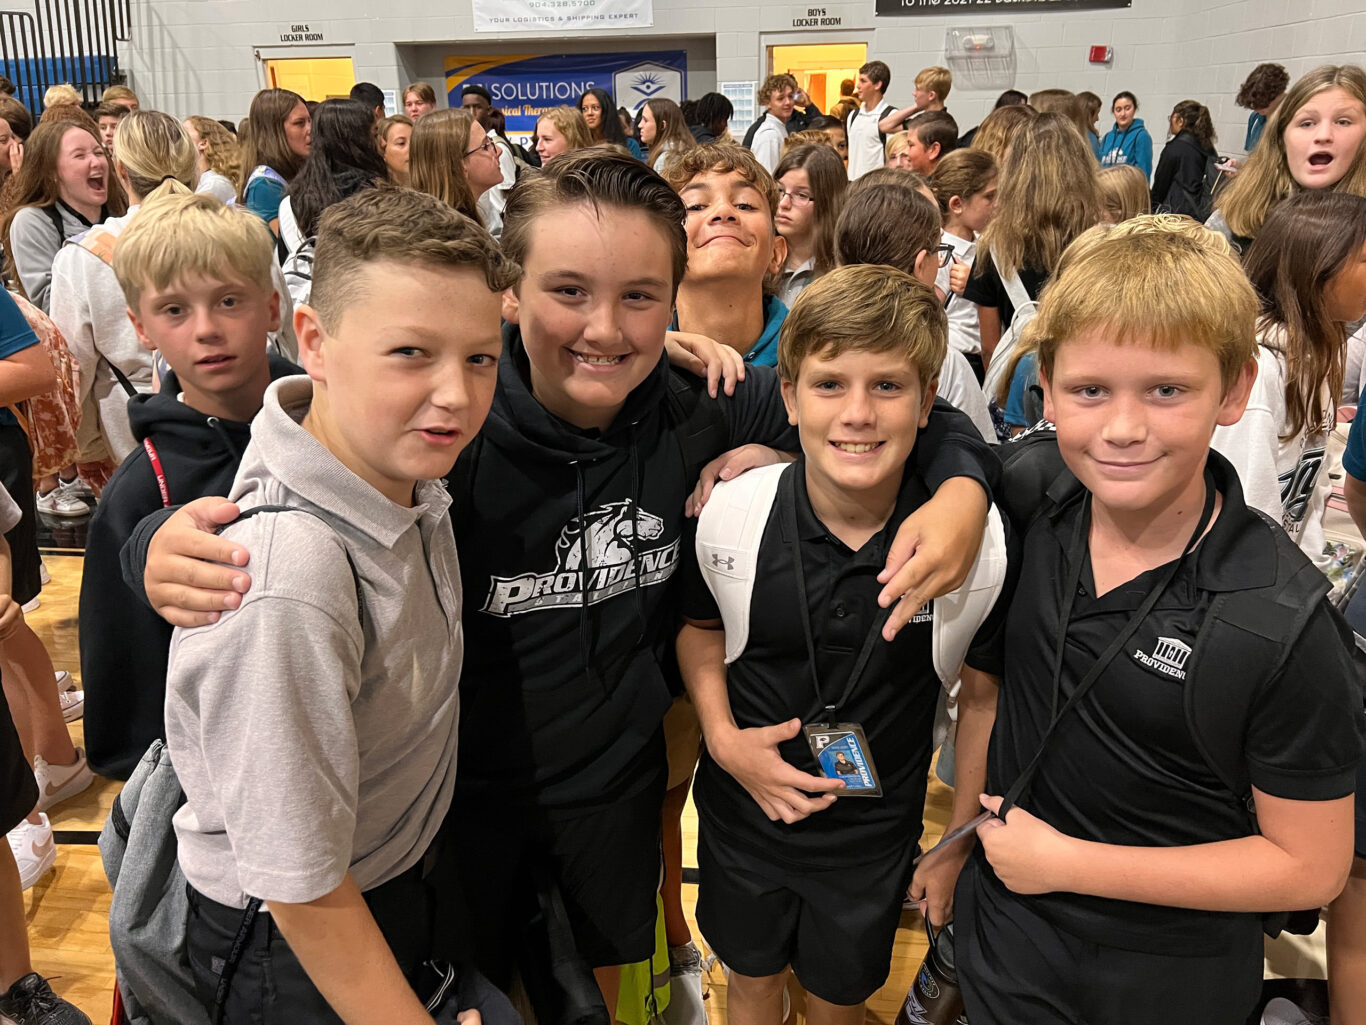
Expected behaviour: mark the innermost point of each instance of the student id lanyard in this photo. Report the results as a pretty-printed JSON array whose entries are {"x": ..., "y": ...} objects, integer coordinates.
[
  {"x": 1076, "y": 557},
  {"x": 840, "y": 748}
]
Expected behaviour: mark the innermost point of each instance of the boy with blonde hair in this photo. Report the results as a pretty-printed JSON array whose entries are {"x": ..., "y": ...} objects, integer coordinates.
[
  {"x": 932, "y": 87},
  {"x": 796, "y": 871},
  {"x": 197, "y": 277},
  {"x": 1174, "y": 666}
]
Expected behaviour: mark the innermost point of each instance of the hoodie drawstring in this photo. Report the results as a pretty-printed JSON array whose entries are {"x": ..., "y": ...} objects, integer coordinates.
[{"x": 226, "y": 437}]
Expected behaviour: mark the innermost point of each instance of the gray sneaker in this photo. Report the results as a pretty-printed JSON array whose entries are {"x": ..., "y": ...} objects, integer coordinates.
[
  {"x": 686, "y": 1005},
  {"x": 30, "y": 1001}
]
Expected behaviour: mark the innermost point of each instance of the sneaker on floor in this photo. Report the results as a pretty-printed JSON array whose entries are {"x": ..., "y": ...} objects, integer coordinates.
[
  {"x": 73, "y": 704},
  {"x": 58, "y": 502},
  {"x": 65, "y": 681},
  {"x": 44, "y": 577},
  {"x": 31, "y": 605},
  {"x": 30, "y": 1001},
  {"x": 685, "y": 987},
  {"x": 1281, "y": 1011},
  {"x": 77, "y": 488},
  {"x": 56, "y": 783},
  {"x": 34, "y": 851}
]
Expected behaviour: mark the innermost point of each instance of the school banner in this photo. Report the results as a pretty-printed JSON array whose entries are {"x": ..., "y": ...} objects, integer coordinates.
[
  {"x": 574, "y": 15},
  {"x": 524, "y": 87},
  {"x": 910, "y": 7}
]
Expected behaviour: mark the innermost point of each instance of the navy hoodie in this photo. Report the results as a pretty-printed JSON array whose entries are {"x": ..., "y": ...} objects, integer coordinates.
[
  {"x": 124, "y": 643},
  {"x": 562, "y": 702}
]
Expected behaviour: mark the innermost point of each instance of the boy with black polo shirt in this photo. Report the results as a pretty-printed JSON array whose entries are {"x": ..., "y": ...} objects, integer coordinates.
[
  {"x": 797, "y": 870},
  {"x": 1130, "y": 884}
]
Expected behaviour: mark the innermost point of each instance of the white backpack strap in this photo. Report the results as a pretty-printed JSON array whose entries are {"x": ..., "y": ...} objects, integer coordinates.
[
  {"x": 1002, "y": 357},
  {"x": 960, "y": 614},
  {"x": 728, "y": 535},
  {"x": 1019, "y": 297}
]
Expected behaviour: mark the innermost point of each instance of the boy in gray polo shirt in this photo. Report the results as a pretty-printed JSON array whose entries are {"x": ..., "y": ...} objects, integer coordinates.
[{"x": 314, "y": 727}]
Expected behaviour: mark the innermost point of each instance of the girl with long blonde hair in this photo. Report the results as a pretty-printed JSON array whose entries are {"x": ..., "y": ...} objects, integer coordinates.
[{"x": 218, "y": 157}]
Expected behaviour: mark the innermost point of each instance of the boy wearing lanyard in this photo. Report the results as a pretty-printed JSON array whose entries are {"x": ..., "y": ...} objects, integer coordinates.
[
  {"x": 819, "y": 731},
  {"x": 1130, "y": 884}
]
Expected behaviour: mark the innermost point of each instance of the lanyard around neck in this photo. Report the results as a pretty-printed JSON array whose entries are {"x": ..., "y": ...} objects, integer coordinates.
[
  {"x": 1076, "y": 557},
  {"x": 787, "y": 503}
]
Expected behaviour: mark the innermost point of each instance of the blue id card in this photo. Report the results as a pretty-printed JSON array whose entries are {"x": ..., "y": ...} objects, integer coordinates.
[{"x": 841, "y": 749}]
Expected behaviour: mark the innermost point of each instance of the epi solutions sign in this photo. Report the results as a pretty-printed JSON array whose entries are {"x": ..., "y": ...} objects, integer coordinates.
[
  {"x": 561, "y": 15},
  {"x": 525, "y": 87},
  {"x": 912, "y": 7}
]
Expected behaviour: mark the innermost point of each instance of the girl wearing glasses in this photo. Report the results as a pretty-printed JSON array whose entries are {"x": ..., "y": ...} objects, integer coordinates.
[
  {"x": 811, "y": 186},
  {"x": 453, "y": 159}
]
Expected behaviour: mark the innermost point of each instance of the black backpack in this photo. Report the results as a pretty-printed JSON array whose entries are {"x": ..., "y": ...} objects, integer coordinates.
[{"x": 881, "y": 135}]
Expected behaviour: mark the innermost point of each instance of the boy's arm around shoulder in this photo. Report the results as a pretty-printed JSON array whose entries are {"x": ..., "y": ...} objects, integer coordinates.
[{"x": 175, "y": 561}]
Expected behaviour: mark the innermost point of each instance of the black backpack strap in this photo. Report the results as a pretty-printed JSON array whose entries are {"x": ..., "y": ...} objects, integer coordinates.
[
  {"x": 355, "y": 573},
  {"x": 703, "y": 431},
  {"x": 121, "y": 377},
  {"x": 886, "y": 111}
]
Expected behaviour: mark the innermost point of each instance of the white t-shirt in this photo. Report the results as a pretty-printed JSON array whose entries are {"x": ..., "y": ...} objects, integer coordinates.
[
  {"x": 217, "y": 185},
  {"x": 767, "y": 144},
  {"x": 866, "y": 148},
  {"x": 958, "y": 386},
  {"x": 965, "y": 330},
  {"x": 1281, "y": 478}
]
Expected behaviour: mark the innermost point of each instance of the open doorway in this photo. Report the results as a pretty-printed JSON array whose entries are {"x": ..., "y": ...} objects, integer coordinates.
[
  {"x": 313, "y": 78},
  {"x": 819, "y": 67}
]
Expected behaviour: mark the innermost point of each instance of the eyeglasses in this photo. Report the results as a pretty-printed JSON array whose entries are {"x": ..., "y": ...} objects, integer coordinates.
[
  {"x": 944, "y": 253},
  {"x": 487, "y": 144},
  {"x": 797, "y": 198}
]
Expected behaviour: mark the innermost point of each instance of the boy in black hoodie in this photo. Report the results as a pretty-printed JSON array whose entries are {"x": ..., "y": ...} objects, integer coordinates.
[
  {"x": 569, "y": 521},
  {"x": 197, "y": 277}
]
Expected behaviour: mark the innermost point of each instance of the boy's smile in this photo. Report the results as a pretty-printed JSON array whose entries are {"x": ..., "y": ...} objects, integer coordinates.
[
  {"x": 730, "y": 229},
  {"x": 593, "y": 306},
  {"x": 1135, "y": 425}
]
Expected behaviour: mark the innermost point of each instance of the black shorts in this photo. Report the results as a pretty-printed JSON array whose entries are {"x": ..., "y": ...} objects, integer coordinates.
[
  {"x": 605, "y": 861},
  {"x": 1016, "y": 966},
  {"x": 16, "y": 474},
  {"x": 1360, "y": 843},
  {"x": 18, "y": 788},
  {"x": 835, "y": 927}
]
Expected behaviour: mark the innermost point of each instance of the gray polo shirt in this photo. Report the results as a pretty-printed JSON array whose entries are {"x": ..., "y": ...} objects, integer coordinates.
[{"x": 308, "y": 747}]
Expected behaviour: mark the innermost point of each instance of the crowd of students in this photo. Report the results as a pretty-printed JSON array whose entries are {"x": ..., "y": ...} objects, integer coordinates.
[{"x": 784, "y": 464}]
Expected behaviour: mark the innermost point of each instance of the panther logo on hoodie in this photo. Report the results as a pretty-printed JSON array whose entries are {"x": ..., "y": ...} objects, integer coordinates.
[{"x": 610, "y": 543}]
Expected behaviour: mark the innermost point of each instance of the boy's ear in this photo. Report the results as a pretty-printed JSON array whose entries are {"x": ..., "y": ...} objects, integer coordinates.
[
  {"x": 308, "y": 329},
  {"x": 779, "y": 257},
  {"x": 1235, "y": 399},
  {"x": 1047, "y": 386},
  {"x": 143, "y": 340},
  {"x": 926, "y": 269},
  {"x": 511, "y": 306},
  {"x": 927, "y": 401},
  {"x": 789, "y": 390},
  {"x": 934, "y": 151},
  {"x": 274, "y": 308}
]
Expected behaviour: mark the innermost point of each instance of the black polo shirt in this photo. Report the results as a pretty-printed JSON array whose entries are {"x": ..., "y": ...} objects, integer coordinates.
[
  {"x": 1123, "y": 767},
  {"x": 894, "y": 698}
]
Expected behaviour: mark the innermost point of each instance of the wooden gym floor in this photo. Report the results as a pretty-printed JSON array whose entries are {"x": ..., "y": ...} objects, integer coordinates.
[{"x": 68, "y": 908}]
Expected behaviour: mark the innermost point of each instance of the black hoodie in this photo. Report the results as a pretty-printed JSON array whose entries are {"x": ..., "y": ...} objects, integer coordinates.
[
  {"x": 533, "y": 723},
  {"x": 124, "y": 644},
  {"x": 1181, "y": 181}
]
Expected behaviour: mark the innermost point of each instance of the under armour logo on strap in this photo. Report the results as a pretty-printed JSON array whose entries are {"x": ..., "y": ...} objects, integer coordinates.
[{"x": 719, "y": 563}]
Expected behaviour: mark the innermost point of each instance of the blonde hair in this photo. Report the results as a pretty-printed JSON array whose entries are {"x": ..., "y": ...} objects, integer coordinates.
[
  {"x": 61, "y": 94},
  {"x": 1159, "y": 280},
  {"x": 221, "y": 151},
  {"x": 996, "y": 133},
  {"x": 436, "y": 160},
  {"x": 385, "y": 125},
  {"x": 1123, "y": 192},
  {"x": 423, "y": 91},
  {"x": 180, "y": 236},
  {"x": 155, "y": 153},
  {"x": 569, "y": 123},
  {"x": 115, "y": 93},
  {"x": 809, "y": 137},
  {"x": 1265, "y": 179},
  {"x": 775, "y": 84},
  {"x": 936, "y": 80},
  {"x": 1048, "y": 196},
  {"x": 897, "y": 142},
  {"x": 865, "y": 308}
]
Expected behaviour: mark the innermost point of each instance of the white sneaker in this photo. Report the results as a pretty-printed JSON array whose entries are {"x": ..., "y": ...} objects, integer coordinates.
[
  {"x": 31, "y": 605},
  {"x": 34, "y": 850},
  {"x": 685, "y": 987},
  {"x": 60, "y": 502},
  {"x": 73, "y": 704},
  {"x": 64, "y": 681},
  {"x": 57, "y": 783},
  {"x": 44, "y": 577},
  {"x": 77, "y": 488}
]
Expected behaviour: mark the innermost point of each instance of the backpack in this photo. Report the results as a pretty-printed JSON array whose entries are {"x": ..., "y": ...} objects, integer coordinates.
[
  {"x": 881, "y": 135},
  {"x": 1003, "y": 357},
  {"x": 729, "y": 532},
  {"x": 148, "y": 911},
  {"x": 1196, "y": 198},
  {"x": 749, "y": 132}
]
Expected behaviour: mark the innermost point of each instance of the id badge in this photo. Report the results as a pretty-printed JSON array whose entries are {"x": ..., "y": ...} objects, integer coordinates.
[{"x": 841, "y": 749}]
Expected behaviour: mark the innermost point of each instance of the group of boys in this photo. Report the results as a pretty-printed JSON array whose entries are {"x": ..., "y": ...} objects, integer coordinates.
[{"x": 320, "y": 759}]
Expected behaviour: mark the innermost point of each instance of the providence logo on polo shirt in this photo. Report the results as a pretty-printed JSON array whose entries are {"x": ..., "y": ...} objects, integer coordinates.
[{"x": 1168, "y": 657}]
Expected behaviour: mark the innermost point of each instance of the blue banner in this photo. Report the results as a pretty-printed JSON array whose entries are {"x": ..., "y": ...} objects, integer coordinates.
[{"x": 524, "y": 87}]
